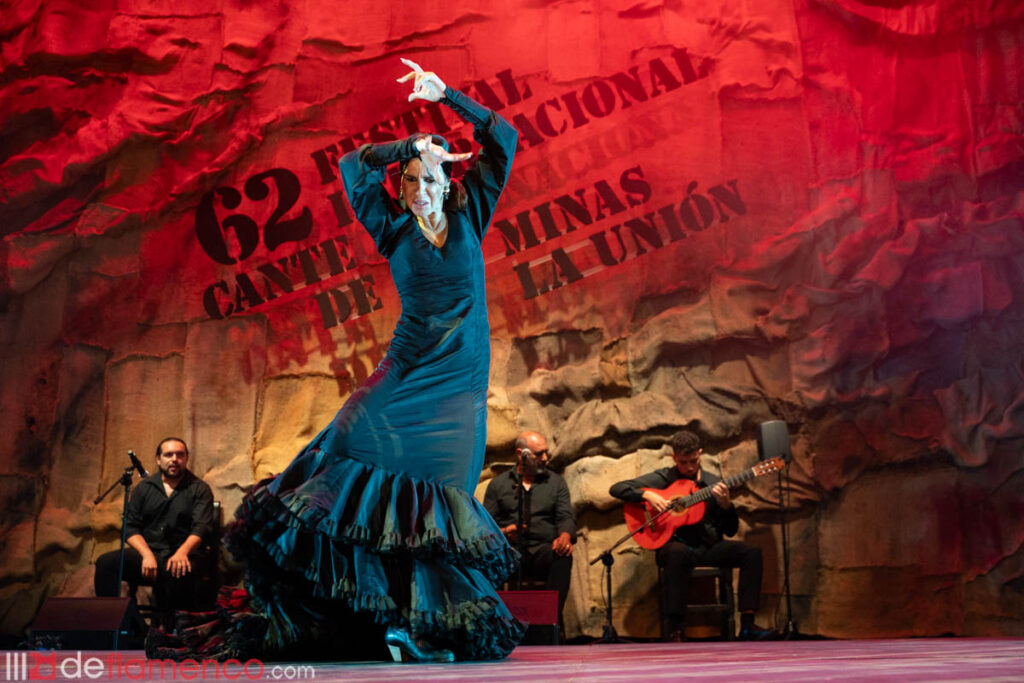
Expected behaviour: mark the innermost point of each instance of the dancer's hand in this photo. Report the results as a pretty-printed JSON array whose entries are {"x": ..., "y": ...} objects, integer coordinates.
[
  {"x": 511, "y": 531},
  {"x": 434, "y": 155},
  {"x": 427, "y": 86}
]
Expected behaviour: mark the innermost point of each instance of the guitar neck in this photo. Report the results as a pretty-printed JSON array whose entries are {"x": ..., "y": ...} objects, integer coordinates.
[{"x": 705, "y": 493}]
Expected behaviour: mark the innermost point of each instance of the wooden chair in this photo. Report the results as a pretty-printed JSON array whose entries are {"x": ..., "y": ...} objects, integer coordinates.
[
  {"x": 722, "y": 604},
  {"x": 208, "y": 587}
]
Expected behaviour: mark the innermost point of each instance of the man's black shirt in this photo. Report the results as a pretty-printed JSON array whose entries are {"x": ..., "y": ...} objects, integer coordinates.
[
  {"x": 548, "y": 509},
  {"x": 165, "y": 522},
  {"x": 716, "y": 522}
]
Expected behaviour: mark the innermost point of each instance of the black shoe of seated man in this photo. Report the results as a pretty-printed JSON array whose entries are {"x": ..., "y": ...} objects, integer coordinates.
[
  {"x": 676, "y": 636},
  {"x": 755, "y": 632}
]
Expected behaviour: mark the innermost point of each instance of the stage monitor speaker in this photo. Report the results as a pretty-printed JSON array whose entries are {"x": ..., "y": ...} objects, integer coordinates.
[
  {"x": 773, "y": 441},
  {"x": 538, "y": 610},
  {"x": 81, "y": 623}
]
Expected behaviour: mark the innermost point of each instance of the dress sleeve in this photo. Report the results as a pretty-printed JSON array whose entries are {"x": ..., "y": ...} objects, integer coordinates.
[
  {"x": 485, "y": 181},
  {"x": 363, "y": 172}
]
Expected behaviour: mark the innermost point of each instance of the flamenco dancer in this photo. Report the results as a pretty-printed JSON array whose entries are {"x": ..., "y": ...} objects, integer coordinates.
[{"x": 375, "y": 518}]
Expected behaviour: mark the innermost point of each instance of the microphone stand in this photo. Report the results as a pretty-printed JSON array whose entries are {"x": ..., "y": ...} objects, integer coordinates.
[
  {"x": 609, "y": 635},
  {"x": 773, "y": 442},
  {"x": 520, "y": 529},
  {"x": 789, "y": 630},
  {"x": 124, "y": 480}
]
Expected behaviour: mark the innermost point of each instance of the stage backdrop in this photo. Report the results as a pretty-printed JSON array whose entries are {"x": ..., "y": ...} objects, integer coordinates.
[{"x": 722, "y": 212}]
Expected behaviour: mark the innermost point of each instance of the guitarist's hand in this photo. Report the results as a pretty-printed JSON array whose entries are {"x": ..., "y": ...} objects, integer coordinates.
[
  {"x": 656, "y": 501},
  {"x": 721, "y": 493}
]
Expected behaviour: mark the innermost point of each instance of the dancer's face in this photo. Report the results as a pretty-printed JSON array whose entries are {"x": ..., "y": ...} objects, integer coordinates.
[{"x": 422, "y": 191}]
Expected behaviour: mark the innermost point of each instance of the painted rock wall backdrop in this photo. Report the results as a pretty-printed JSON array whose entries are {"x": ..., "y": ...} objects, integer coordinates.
[{"x": 721, "y": 213}]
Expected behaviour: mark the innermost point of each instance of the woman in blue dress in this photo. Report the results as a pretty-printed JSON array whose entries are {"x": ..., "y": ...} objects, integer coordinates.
[{"x": 376, "y": 517}]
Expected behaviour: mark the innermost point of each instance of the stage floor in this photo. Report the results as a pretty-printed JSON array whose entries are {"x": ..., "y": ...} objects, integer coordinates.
[{"x": 932, "y": 659}]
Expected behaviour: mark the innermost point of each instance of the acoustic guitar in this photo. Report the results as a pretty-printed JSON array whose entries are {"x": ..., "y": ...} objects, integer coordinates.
[{"x": 687, "y": 505}]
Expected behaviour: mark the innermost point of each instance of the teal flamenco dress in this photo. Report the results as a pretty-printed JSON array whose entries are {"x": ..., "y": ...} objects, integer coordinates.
[{"x": 375, "y": 519}]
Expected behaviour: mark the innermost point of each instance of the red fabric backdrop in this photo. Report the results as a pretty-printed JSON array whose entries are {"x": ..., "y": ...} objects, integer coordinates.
[{"x": 827, "y": 193}]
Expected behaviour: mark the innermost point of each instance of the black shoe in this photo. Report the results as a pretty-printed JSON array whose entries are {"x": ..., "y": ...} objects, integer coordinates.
[
  {"x": 757, "y": 633},
  {"x": 676, "y": 636},
  {"x": 400, "y": 643}
]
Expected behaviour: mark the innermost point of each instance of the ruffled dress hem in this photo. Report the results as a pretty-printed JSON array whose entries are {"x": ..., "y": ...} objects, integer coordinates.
[{"x": 410, "y": 553}]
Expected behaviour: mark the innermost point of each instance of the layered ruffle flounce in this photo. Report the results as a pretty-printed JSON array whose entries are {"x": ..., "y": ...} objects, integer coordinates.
[{"x": 352, "y": 537}]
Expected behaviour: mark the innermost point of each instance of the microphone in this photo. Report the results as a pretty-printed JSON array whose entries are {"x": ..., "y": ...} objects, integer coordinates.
[
  {"x": 138, "y": 465},
  {"x": 532, "y": 460}
]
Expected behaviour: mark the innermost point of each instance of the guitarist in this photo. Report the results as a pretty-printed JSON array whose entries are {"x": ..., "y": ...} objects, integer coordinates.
[{"x": 700, "y": 544}]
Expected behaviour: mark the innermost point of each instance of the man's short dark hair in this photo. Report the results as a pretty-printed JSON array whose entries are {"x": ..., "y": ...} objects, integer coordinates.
[
  {"x": 171, "y": 438},
  {"x": 684, "y": 442}
]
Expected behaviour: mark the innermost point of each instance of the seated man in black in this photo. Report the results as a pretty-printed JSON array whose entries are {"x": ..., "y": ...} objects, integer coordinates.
[
  {"x": 170, "y": 520},
  {"x": 548, "y": 520},
  {"x": 698, "y": 544}
]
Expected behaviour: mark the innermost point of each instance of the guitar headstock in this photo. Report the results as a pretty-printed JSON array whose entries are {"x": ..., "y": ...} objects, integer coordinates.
[{"x": 769, "y": 466}]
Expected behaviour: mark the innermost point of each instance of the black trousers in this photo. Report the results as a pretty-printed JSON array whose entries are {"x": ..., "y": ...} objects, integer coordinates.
[
  {"x": 192, "y": 592},
  {"x": 544, "y": 564},
  {"x": 678, "y": 560}
]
